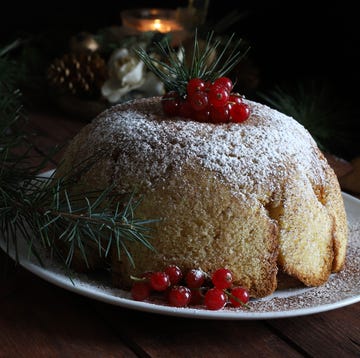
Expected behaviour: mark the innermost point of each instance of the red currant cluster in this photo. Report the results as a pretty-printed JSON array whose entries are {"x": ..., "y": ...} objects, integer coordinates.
[
  {"x": 194, "y": 288},
  {"x": 207, "y": 102}
]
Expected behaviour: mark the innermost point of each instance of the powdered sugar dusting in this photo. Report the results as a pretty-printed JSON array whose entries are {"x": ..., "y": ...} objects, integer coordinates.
[{"x": 273, "y": 144}]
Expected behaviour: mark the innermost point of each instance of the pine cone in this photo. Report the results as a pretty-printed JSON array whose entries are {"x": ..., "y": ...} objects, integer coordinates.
[{"x": 80, "y": 74}]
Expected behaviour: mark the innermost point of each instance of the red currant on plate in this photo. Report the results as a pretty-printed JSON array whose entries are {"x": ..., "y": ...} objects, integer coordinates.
[
  {"x": 197, "y": 297},
  {"x": 215, "y": 299},
  {"x": 222, "y": 278},
  {"x": 175, "y": 274},
  {"x": 239, "y": 296},
  {"x": 159, "y": 281},
  {"x": 140, "y": 290},
  {"x": 179, "y": 296},
  {"x": 195, "y": 278}
]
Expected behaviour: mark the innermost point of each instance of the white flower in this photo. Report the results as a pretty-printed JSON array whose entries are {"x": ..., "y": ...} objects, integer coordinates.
[{"x": 127, "y": 73}]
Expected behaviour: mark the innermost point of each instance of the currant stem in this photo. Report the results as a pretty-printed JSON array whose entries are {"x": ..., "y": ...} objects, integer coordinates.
[
  {"x": 229, "y": 294},
  {"x": 139, "y": 279}
]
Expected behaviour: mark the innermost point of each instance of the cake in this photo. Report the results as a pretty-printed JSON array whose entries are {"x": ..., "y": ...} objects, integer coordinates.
[{"x": 256, "y": 197}]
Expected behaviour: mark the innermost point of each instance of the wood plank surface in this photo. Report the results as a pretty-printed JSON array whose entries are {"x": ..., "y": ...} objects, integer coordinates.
[
  {"x": 338, "y": 329},
  {"x": 41, "y": 320},
  {"x": 163, "y": 336}
]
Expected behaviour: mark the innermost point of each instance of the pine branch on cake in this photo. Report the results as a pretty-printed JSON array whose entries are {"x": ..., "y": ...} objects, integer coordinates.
[
  {"x": 176, "y": 73},
  {"x": 196, "y": 87}
]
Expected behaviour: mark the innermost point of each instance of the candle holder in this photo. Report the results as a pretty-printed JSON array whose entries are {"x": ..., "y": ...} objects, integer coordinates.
[{"x": 143, "y": 20}]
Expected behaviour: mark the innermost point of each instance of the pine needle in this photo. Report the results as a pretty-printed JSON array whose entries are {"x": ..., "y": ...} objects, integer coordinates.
[
  {"x": 175, "y": 74},
  {"x": 329, "y": 119},
  {"x": 49, "y": 213}
]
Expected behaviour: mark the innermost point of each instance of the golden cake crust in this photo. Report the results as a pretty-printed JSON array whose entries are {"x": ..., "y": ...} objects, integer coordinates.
[{"x": 251, "y": 197}]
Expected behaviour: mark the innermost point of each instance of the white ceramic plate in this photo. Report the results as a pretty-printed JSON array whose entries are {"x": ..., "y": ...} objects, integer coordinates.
[{"x": 342, "y": 289}]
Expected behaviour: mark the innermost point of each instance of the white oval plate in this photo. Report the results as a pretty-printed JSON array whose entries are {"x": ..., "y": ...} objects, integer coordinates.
[{"x": 341, "y": 290}]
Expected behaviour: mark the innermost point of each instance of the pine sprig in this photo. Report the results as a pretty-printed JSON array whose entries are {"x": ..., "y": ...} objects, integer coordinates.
[
  {"x": 49, "y": 213},
  {"x": 317, "y": 106},
  {"x": 175, "y": 74},
  {"x": 87, "y": 221}
]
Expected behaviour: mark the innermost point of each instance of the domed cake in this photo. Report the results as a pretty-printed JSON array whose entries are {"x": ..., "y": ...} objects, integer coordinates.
[{"x": 256, "y": 197}]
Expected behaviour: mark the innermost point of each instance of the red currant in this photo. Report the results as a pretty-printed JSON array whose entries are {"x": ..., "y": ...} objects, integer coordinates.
[
  {"x": 197, "y": 297},
  {"x": 174, "y": 273},
  {"x": 159, "y": 281},
  {"x": 224, "y": 82},
  {"x": 195, "y": 278},
  {"x": 235, "y": 98},
  {"x": 170, "y": 103},
  {"x": 179, "y": 296},
  {"x": 195, "y": 85},
  {"x": 219, "y": 114},
  {"x": 202, "y": 116},
  {"x": 239, "y": 296},
  {"x": 239, "y": 112},
  {"x": 222, "y": 278},
  {"x": 140, "y": 291},
  {"x": 185, "y": 109},
  {"x": 215, "y": 299},
  {"x": 198, "y": 100},
  {"x": 218, "y": 96}
]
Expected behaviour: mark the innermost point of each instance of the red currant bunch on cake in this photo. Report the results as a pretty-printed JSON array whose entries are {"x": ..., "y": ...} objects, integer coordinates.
[{"x": 205, "y": 101}]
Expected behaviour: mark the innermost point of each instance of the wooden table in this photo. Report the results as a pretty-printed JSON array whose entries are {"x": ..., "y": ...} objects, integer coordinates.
[{"x": 38, "y": 319}]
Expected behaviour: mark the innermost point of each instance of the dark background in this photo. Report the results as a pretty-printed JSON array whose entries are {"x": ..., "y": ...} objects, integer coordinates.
[
  {"x": 287, "y": 39},
  {"x": 291, "y": 42}
]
